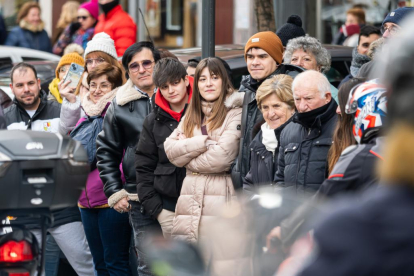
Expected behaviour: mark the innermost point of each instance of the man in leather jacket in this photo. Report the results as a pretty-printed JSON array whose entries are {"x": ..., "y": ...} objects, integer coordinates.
[
  {"x": 120, "y": 134},
  {"x": 263, "y": 55}
]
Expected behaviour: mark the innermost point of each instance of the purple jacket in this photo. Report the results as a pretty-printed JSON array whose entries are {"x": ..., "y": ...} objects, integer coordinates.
[{"x": 93, "y": 195}]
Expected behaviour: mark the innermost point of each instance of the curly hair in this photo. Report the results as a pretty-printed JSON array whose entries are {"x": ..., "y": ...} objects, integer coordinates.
[{"x": 309, "y": 45}]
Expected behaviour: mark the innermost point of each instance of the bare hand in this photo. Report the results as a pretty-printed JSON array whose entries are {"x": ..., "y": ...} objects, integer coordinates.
[
  {"x": 123, "y": 205},
  {"x": 66, "y": 91},
  {"x": 181, "y": 136},
  {"x": 274, "y": 234}
]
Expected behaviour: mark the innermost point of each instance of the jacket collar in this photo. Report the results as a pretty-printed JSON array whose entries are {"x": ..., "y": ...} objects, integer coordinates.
[
  {"x": 163, "y": 104},
  {"x": 235, "y": 100},
  {"x": 112, "y": 12},
  {"x": 322, "y": 118},
  {"x": 127, "y": 93}
]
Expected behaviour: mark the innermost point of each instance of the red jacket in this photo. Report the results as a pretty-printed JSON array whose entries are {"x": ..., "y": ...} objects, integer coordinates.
[{"x": 120, "y": 27}]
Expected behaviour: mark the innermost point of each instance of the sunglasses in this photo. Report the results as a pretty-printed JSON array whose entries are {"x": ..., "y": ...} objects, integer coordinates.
[
  {"x": 83, "y": 17},
  {"x": 146, "y": 64}
]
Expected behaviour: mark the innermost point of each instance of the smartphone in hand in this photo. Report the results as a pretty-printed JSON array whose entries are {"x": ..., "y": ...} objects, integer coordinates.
[{"x": 74, "y": 75}]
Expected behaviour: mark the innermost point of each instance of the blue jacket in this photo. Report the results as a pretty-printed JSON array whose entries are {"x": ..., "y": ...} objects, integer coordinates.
[{"x": 24, "y": 38}]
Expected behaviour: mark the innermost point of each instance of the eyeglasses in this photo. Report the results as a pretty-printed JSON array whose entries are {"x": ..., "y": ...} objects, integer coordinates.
[
  {"x": 146, "y": 64},
  {"x": 84, "y": 17},
  {"x": 90, "y": 61},
  {"x": 392, "y": 29},
  {"x": 64, "y": 69},
  {"x": 104, "y": 87}
]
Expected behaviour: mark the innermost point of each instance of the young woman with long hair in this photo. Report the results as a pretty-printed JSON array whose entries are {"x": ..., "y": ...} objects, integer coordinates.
[
  {"x": 206, "y": 143},
  {"x": 342, "y": 136}
]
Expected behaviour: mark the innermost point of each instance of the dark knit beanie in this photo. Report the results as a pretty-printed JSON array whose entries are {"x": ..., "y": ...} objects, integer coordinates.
[
  {"x": 267, "y": 41},
  {"x": 397, "y": 15},
  {"x": 292, "y": 29}
]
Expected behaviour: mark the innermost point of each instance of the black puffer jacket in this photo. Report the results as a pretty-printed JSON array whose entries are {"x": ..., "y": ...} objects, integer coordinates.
[
  {"x": 353, "y": 173},
  {"x": 251, "y": 115},
  {"x": 263, "y": 164},
  {"x": 302, "y": 163},
  {"x": 117, "y": 141},
  {"x": 158, "y": 181}
]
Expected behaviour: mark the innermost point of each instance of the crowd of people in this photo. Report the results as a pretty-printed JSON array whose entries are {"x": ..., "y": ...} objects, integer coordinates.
[
  {"x": 178, "y": 152},
  {"x": 76, "y": 26}
]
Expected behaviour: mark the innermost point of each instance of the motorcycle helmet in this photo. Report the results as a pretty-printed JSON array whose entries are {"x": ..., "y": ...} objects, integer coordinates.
[{"x": 368, "y": 101}]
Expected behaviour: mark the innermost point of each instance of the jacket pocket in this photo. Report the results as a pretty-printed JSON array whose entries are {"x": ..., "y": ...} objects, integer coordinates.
[
  {"x": 165, "y": 181},
  {"x": 291, "y": 153}
]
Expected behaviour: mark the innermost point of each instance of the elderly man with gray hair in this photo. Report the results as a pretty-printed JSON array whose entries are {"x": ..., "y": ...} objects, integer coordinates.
[{"x": 305, "y": 142}]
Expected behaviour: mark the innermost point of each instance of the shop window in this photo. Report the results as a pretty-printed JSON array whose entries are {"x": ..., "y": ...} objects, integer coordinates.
[{"x": 174, "y": 15}]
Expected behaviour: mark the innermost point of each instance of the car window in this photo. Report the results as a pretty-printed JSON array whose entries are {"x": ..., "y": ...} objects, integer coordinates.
[
  {"x": 25, "y": 59},
  {"x": 5, "y": 61},
  {"x": 339, "y": 70}
]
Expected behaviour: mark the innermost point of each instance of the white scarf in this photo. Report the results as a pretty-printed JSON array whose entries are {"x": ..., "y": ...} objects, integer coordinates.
[{"x": 269, "y": 138}]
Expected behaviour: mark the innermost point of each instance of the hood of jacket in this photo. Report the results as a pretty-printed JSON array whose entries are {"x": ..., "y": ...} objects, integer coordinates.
[
  {"x": 164, "y": 104},
  {"x": 33, "y": 28},
  {"x": 234, "y": 100},
  {"x": 127, "y": 93}
]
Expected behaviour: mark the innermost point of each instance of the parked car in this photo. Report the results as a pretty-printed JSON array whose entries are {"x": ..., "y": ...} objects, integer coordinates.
[
  {"x": 233, "y": 54},
  {"x": 45, "y": 72},
  {"x": 10, "y": 55}
]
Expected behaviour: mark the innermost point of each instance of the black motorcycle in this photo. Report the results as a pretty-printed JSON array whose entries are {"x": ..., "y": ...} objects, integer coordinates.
[{"x": 39, "y": 172}]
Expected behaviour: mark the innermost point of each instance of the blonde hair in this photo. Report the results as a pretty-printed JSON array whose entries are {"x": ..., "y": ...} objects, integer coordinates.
[
  {"x": 281, "y": 86},
  {"x": 24, "y": 10},
  {"x": 69, "y": 14}
]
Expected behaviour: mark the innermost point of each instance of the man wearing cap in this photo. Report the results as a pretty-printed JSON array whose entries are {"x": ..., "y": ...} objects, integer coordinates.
[
  {"x": 263, "y": 54},
  {"x": 390, "y": 26}
]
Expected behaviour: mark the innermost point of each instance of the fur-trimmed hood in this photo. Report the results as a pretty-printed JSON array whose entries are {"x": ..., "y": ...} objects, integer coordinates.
[
  {"x": 235, "y": 100},
  {"x": 127, "y": 93}
]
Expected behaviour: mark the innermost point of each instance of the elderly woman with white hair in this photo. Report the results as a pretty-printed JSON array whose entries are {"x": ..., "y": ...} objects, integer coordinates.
[{"x": 308, "y": 53}]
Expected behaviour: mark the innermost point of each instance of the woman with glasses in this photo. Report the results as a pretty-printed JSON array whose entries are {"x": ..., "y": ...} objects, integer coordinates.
[
  {"x": 107, "y": 231},
  {"x": 80, "y": 32},
  {"x": 100, "y": 50},
  {"x": 57, "y": 86}
]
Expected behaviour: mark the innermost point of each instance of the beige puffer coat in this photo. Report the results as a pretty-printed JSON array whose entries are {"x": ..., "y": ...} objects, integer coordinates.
[{"x": 207, "y": 189}]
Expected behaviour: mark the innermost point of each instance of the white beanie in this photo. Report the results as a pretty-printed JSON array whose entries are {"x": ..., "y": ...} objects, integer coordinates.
[{"x": 101, "y": 42}]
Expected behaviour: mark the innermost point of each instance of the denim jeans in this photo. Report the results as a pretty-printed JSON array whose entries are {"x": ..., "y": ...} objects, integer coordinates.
[
  {"x": 52, "y": 256},
  {"x": 108, "y": 233},
  {"x": 143, "y": 226}
]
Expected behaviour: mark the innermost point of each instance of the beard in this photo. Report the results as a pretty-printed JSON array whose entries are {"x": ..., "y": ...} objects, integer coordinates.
[{"x": 32, "y": 103}]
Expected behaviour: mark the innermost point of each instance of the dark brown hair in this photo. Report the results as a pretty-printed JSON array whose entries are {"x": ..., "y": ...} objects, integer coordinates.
[
  {"x": 24, "y": 10},
  {"x": 343, "y": 136},
  {"x": 168, "y": 70},
  {"x": 194, "y": 115},
  {"x": 113, "y": 74}
]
